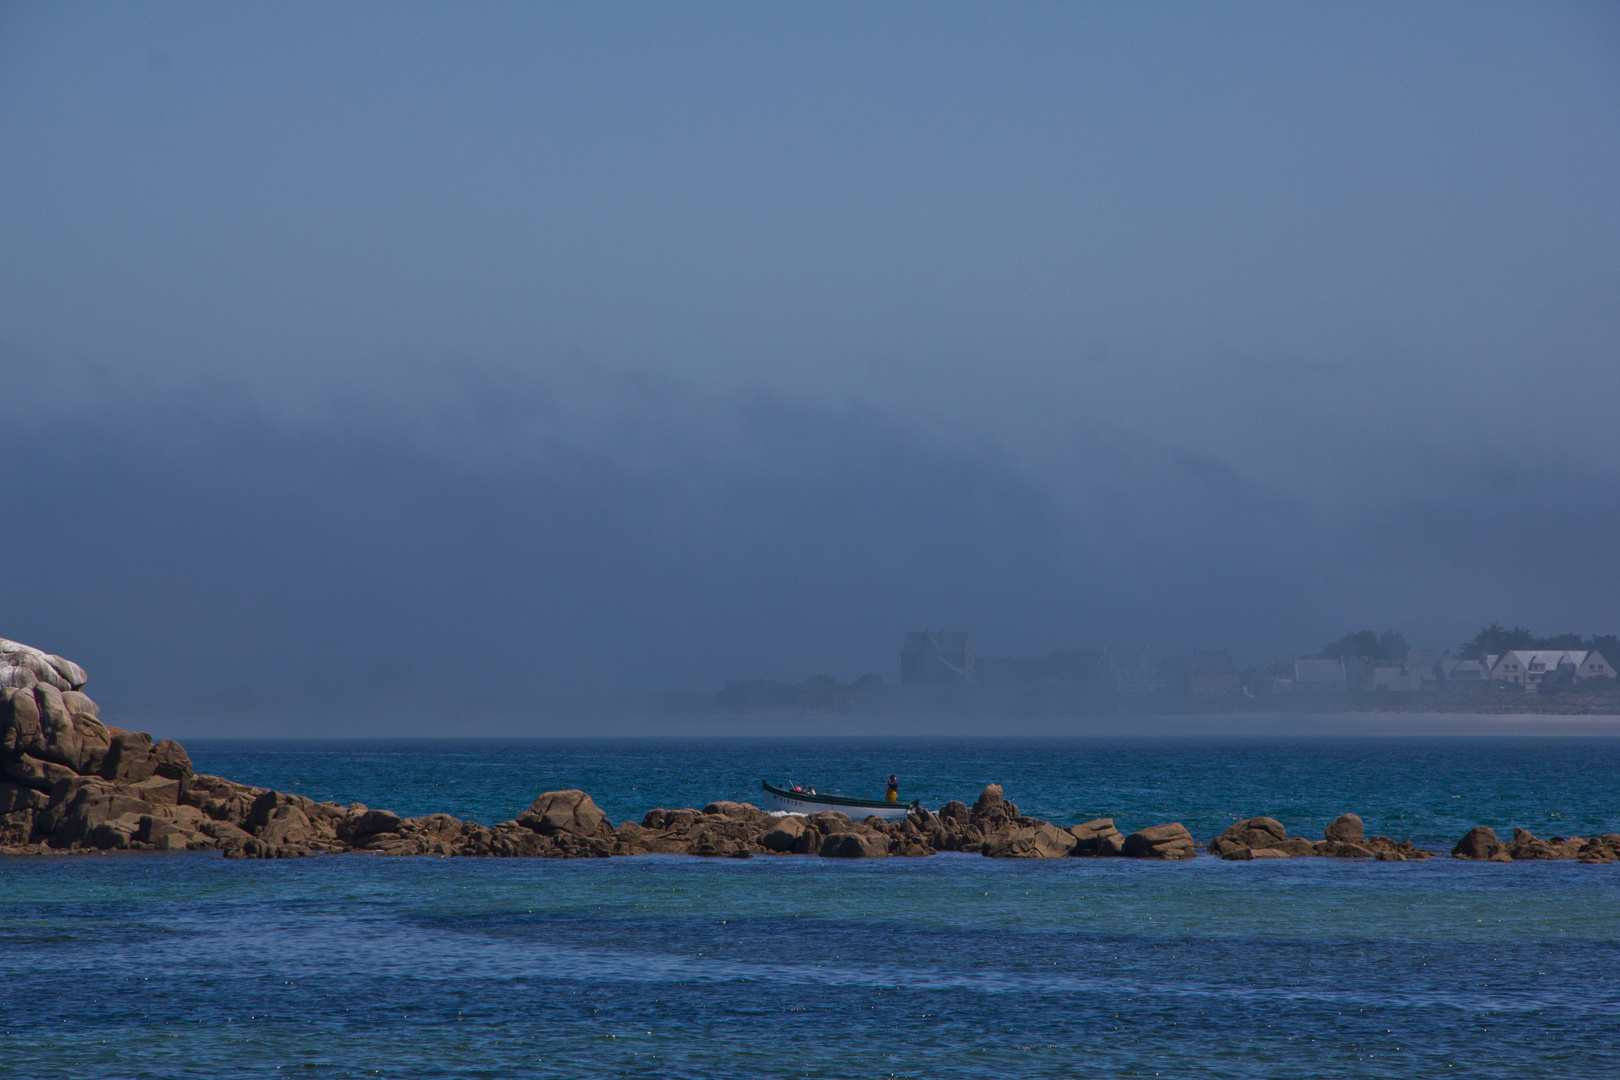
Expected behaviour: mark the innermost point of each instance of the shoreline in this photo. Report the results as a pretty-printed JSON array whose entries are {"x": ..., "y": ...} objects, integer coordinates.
[
  {"x": 323, "y": 726},
  {"x": 73, "y": 783}
]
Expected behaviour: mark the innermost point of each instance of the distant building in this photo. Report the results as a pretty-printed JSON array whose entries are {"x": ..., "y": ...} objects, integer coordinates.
[
  {"x": 1358, "y": 672},
  {"x": 1211, "y": 672},
  {"x": 935, "y": 657},
  {"x": 1206, "y": 673},
  {"x": 1402, "y": 679},
  {"x": 1073, "y": 667},
  {"x": 1427, "y": 663},
  {"x": 1319, "y": 677},
  {"x": 1530, "y": 668},
  {"x": 1465, "y": 672},
  {"x": 1131, "y": 671}
]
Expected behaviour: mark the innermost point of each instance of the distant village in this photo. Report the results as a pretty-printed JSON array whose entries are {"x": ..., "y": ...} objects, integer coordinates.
[
  {"x": 1364, "y": 661},
  {"x": 1363, "y": 667}
]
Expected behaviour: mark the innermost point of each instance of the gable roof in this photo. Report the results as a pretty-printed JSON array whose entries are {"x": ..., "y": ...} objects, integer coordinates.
[
  {"x": 945, "y": 641},
  {"x": 1551, "y": 659}
]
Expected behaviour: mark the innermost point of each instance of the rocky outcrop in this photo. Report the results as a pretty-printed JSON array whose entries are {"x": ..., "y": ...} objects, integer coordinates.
[
  {"x": 1259, "y": 838},
  {"x": 1171, "y": 841},
  {"x": 1097, "y": 838},
  {"x": 1266, "y": 838},
  {"x": 1482, "y": 844},
  {"x": 1041, "y": 840}
]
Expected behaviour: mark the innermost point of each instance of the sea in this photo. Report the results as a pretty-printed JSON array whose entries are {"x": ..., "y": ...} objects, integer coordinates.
[{"x": 958, "y": 966}]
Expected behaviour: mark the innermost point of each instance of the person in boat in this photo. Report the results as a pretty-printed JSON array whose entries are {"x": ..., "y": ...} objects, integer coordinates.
[{"x": 893, "y": 794}]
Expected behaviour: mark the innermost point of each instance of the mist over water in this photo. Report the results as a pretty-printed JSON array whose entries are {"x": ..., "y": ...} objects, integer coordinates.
[
  {"x": 543, "y": 353},
  {"x": 360, "y": 563}
]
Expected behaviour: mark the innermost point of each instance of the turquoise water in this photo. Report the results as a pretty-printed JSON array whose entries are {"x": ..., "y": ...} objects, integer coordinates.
[{"x": 187, "y": 965}]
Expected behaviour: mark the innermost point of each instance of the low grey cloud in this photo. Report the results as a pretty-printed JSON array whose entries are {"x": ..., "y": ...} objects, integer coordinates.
[{"x": 201, "y": 555}]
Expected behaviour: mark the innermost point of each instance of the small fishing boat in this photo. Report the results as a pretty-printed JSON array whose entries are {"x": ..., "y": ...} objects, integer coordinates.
[{"x": 810, "y": 801}]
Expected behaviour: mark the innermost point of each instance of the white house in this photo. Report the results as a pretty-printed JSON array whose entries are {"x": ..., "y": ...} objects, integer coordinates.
[{"x": 1530, "y": 667}]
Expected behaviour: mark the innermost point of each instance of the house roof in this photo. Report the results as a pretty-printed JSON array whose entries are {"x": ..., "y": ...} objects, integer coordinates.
[
  {"x": 945, "y": 641},
  {"x": 1552, "y": 658}
]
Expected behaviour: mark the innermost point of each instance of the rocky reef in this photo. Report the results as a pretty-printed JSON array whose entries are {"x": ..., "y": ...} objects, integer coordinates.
[
  {"x": 1345, "y": 838},
  {"x": 1481, "y": 843},
  {"x": 70, "y": 783}
]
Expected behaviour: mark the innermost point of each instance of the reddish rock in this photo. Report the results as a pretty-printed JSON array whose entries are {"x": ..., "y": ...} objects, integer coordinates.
[
  {"x": 571, "y": 812},
  {"x": 855, "y": 845},
  {"x": 1346, "y": 829},
  {"x": 1171, "y": 841},
  {"x": 1480, "y": 842},
  {"x": 1097, "y": 837}
]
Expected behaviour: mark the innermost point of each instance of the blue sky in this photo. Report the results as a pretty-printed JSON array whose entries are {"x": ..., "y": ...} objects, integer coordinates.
[{"x": 642, "y": 346}]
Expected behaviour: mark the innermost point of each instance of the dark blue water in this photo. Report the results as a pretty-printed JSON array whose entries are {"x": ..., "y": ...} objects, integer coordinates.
[{"x": 951, "y": 966}]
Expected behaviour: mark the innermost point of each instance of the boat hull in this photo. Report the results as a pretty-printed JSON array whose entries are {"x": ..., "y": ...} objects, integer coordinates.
[{"x": 781, "y": 801}]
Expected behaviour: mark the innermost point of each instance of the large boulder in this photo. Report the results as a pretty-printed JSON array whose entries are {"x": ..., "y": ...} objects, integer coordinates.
[
  {"x": 1526, "y": 845},
  {"x": 1346, "y": 829},
  {"x": 990, "y": 800},
  {"x": 662, "y": 820},
  {"x": 19, "y": 720},
  {"x": 170, "y": 759},
  {"x": 855, "y": 845},
  {"x": 25, "y": 666},
  {"x": 361, "y": 824},
  {"x": 166, "y": 834},
  {"x": 33, "y": 772},
  {"x": 157, "y": 790},
  {"x": 1600, "y": 849},
  {"x": 1480, "y": 842},
  {"x": 1259, "y": 838},
  {"x": 784, "y": 834},
  {"x": 79, "y": 704},
  {"x": 129, "y": 759},
  {"x": 568, "y": 812},
  {"x": 1038, "y": 841},
  {"x": 1097, "y": 837},
  {"x": 742, "y": 810},
  {"x": 80, "y": 804},
  {"x": 73, "y": 673},
  {"x": 287, "y": 824},
  {"x": 1171, "y": 841}
]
